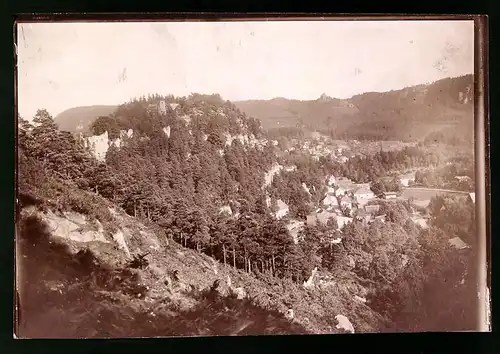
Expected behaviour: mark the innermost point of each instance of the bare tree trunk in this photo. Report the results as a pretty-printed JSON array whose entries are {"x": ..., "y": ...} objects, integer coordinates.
[
  {"x": 245, "y": 259},
  {"x": 274, "y": 265},
  {"x": 135, "y": 210},
  {"x": 234, "y": 258},
  {"x": 224, "y": 253}
]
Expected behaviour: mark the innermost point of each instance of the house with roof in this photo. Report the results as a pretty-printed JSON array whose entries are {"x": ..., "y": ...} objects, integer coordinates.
[
  {"x": 346, "y": 201},
  {"x": 312, "y": 219},
  {"x": 355, "y": 186},
  {"x": 342, "y": 221},
  {"x": 463, "y": 178},
  {"x": 331, "y": 181},
  {"x": 420, "y": 221},
  {"x": 380, "y": 218},
  {"x": 372, "y": 209},
  {"x": 407, "y": 179},
  {"x": 322, "y": 217},
  {"x": 343, "y": 181},
  {"x": 363, "y": 194},
  {"x": 330, "y": 200},
  {"x": 340, "y": 191},
  {"x": 363, "y": 215},
  {"x": 389, "y": 195}
]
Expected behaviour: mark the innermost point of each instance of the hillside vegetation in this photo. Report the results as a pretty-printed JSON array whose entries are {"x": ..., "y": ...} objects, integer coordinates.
[
  {"x": 181, "y": 199},
  {"x": 443, "y": 108}
]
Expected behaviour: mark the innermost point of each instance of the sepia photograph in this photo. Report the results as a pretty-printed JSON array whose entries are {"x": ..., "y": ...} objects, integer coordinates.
[{"x": 263, "y": 176}]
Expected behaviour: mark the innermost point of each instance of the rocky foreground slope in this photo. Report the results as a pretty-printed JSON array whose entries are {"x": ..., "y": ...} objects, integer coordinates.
[{"x": 123, "y": 278}]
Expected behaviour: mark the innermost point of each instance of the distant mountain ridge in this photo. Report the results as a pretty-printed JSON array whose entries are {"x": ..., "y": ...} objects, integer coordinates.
[
  {"x": 405, "y": 114},
  {"x": 408, "y": 114}
]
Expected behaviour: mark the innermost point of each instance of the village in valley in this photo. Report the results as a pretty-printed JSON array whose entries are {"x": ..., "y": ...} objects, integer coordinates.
[{"x": 345, "y": 201}]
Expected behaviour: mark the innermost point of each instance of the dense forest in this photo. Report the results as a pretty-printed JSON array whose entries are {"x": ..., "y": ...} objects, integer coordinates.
[
  {"x": 179, "y": 181},
  {"x": 458, "y": 174}
]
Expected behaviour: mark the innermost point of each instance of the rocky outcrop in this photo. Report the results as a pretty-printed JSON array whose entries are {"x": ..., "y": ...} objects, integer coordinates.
[
  {"x": 239, "y": 292},
  {"x": 100, "y": 144},
  {"x": 310, "y": 282},
  {"x": 282, "y": 209},
  {"x": 74, "y": 226},
  {"x": 119, "y": 238},
  {"x": 344, "y": 324}
]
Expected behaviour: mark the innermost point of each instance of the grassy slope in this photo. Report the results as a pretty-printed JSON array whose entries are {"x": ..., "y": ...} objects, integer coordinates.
[{"x": 81, "y": 297}]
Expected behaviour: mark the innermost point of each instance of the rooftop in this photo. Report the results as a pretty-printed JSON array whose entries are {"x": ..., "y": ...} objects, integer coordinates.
[
  {"x": 372, "y": 208},
  {"x": 362, "y": 190}
]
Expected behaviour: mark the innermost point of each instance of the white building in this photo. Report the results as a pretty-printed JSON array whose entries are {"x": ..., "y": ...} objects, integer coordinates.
[
  {"x": 330, "y": 200},
  {"x": 407, "y": 179},
  {"x": 331, "y": 181},
  {"x": 363, "y": 195},
  {"x": 340, "y": 191}
]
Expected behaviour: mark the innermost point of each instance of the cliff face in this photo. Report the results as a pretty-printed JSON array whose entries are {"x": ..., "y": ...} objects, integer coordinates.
[{"x": 99, "y": 145}]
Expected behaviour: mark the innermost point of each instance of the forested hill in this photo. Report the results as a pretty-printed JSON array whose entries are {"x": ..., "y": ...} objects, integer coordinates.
[
  {"x": 79, "y": 119},
  {"x": 411, "y": 113},
  {"x": 199, "y": 150}
]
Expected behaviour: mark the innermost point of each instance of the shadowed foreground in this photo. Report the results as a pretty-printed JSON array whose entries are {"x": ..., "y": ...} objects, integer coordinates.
[{"x": 66, "y": 295}]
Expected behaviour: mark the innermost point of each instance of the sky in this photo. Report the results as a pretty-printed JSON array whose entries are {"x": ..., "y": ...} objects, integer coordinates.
[{"x": 64, "y": 65}]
